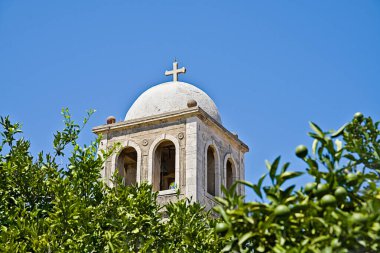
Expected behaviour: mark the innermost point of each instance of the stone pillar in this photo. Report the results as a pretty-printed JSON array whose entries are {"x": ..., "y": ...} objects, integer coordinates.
[{"x": 191, "y": 158}]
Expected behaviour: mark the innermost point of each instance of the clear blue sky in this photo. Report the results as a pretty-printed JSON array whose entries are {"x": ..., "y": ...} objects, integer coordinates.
[{"x": 270, "y": 66}]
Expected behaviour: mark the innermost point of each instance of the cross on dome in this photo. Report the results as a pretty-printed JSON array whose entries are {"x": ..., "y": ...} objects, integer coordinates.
[{"x": 175, "y": 71}]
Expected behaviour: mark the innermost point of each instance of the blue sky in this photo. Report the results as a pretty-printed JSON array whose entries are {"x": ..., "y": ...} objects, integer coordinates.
[{"x": 270, "y": 66}]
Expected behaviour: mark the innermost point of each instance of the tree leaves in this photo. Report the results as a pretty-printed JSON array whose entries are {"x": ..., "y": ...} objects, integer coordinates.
[
  {"x": 47, "y": 206},
  {"x": 338, "y": 212},
  {"x": 339, "y": 131},
  {"x": 317, "y": 129}
]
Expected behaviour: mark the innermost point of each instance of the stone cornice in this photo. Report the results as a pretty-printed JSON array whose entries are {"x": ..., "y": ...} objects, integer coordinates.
[{"x": 171, "y": 116}]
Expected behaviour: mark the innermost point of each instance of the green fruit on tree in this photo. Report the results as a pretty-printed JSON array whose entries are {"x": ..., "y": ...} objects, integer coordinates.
[
  {"x": 359, "y": 116},
  {"x": 309, "y": 187},
  {"x": 328, "y": 200},
  {"x": 352, "y": 178},
  {"x": 357, "y": 218},
  {"x": 301, "y": 151},
  {"x": 322, "y": 189},
  {"x": 340, "y": 192},
  {"x": 221, "y": 227},
  {"x": 281, "y": 211}
]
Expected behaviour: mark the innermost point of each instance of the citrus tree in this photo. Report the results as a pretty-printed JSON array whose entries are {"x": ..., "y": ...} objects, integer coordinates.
[
  {"x": 57, "y": 203},
  {"x": 338, "y": 211}
]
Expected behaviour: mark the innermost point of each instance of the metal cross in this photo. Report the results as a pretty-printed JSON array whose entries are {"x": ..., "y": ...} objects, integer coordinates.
[{"x": 175, "y": 72}]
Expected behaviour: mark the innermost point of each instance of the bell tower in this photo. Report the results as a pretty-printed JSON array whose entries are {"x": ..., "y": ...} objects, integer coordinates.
[{"x": 173, "y": 138}]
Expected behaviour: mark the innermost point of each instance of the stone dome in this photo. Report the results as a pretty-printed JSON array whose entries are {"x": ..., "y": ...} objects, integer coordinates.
[{"x": 170, "y": 97}]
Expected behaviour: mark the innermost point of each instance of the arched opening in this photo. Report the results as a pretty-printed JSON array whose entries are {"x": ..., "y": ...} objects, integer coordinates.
[
  {"x": 127, "y": 165},
  {"x": 211, "y": 169},
  {"x": 230, "y": 178},
  {"x": 164, "y": 166}
]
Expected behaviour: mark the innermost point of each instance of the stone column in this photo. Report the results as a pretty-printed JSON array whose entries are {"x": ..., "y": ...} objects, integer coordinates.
[{"x": 191, "y": 158}]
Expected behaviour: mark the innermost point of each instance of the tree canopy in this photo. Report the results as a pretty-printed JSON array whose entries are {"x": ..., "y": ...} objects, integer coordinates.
[
  {"x": 47, "y": 206},
  {"x": 56, "y": 202},
  {"x": 338, "y": 211}
]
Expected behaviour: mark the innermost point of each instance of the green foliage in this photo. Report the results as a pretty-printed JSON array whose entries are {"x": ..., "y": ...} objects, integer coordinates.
[
  {"x": 50, "y": 206},
  {"x": 338, "y": 212},
  {"x": 47, "y": 206},
  {"x": 188, "y": 229}
]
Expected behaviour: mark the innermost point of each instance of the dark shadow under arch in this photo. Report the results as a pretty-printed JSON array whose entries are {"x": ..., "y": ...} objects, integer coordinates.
[
  {"x": 164, "y": 166},
  {"x": 230, "y": 177},
  {"x": 127, "y": 165},
  {"x": 211, "y": 170}
]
